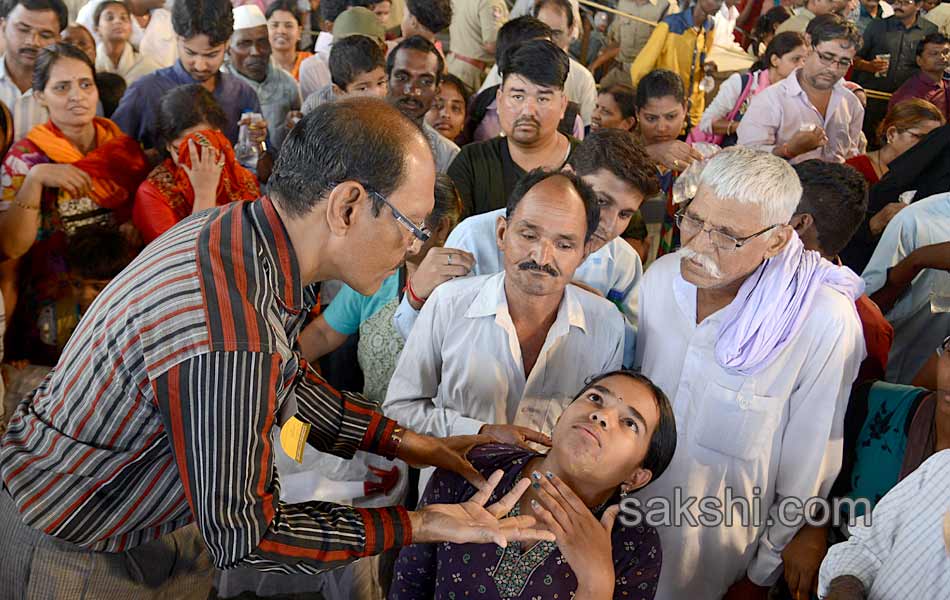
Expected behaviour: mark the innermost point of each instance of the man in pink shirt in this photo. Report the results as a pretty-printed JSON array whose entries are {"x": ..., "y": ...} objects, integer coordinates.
[
  {"x": 931, "y": 82},
  {"x": 810, "y": 113}
]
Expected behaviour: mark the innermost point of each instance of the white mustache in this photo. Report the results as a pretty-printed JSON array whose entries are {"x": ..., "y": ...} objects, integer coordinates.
[{"x": 707, "y": 263}]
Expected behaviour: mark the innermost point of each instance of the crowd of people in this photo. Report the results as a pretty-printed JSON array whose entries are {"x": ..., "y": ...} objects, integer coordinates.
[{"x": 637, "y": 299}]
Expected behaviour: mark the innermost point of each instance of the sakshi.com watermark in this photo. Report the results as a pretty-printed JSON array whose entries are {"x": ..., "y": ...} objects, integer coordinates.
[{"x": 738, "y": 510}]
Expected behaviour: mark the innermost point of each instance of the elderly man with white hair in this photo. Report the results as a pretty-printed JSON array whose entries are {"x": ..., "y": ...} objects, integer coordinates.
[{"x": 756, "y": 341}]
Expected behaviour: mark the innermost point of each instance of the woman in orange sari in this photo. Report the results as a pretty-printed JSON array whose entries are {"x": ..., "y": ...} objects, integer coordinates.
[
  {"x": 72, "y": 172},
  {"x": 199, "y": 170}
]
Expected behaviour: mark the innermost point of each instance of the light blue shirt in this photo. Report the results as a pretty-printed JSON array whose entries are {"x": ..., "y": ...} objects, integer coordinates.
[
  {"x": 349, "y": 308},
  {"x": 917, "y": 330},
  {"x": 614, "y": 270}
]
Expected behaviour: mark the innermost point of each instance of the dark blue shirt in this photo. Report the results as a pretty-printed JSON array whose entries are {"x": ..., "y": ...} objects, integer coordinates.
[{"x": 137, "y": 110}]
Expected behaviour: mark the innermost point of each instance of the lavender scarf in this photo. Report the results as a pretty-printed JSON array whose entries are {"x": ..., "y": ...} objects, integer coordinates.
[{"x": 774, "y": 302}]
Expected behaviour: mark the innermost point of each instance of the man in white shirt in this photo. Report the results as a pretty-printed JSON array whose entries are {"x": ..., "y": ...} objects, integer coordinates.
[
  {"x": 756, "y": 342},
  {"x": 502, "y": 353},
  {"x": 622, "y": 175},
  {"x": 28, "y": 27},
  {"x": 901, "y": 257},
  {"x": 152, "y": 32},
  {"x": 580, "y": 86},
  {"x": 905, "y": 552}
]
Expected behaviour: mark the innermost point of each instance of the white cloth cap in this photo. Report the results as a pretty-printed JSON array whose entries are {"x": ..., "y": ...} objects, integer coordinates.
[{"x": 248, "y": 16}]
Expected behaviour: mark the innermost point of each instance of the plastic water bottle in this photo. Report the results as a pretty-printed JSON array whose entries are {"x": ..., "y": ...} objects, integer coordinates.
[{"x": 246, "y": 151}]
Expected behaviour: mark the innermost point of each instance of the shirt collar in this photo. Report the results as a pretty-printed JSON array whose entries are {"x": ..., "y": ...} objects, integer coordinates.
[
  {"x": 491, "y": 300},
  {"x": 277, "y": 243}
]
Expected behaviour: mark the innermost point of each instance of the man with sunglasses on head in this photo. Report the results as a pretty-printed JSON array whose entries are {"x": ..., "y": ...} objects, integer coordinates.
[
  {"x": 810, "y": 113},
  {"x": 756, "y": 341}
]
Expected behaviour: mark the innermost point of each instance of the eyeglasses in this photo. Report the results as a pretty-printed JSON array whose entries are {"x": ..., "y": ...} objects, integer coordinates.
[
  {"x": 691, "y": 227},
  {"x": 421, "y": 233},
  {"x": 830, "y": 60}
]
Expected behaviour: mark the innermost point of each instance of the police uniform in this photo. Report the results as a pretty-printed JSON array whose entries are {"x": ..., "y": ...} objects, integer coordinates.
[
  {"x": 474, "y": 24},
  {"x": 632, "y": 35}
]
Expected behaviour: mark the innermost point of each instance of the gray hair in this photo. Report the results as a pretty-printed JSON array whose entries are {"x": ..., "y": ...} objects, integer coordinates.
[{"x": 754, "y": 177}]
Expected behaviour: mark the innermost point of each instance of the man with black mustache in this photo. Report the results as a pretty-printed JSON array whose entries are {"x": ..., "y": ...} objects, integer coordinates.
[
  {"x": 414, "y": 71},
  {"x": 531, "y": 103},
  {"x": 499, "y": 353},
  {"x": 249, "y": 59},
  {"x": 28, "y": 27}
]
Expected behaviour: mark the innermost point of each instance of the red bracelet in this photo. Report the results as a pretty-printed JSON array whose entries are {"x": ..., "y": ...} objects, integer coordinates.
[{"x": 412, "y": 294}]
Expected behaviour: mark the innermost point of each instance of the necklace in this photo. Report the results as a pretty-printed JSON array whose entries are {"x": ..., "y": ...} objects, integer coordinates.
[{"x": 877, "y": 160}]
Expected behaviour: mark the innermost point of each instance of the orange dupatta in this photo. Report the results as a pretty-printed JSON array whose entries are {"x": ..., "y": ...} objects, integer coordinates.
[{"x": 117, "y": 165}]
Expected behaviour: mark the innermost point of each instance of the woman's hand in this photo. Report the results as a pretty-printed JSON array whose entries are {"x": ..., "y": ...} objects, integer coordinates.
[
  {"x": 582, "y": 538},
  {"x": 472, "y": 522},
  {"x": 439, "y": 265},
  {"x": 204, "y": 175},
  {"x": 675, "y": 155},
  {"x": 76, "y": 182}
]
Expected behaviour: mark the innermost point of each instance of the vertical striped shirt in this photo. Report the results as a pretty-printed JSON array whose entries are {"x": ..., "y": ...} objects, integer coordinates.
[{"x": 162, "y": 409}]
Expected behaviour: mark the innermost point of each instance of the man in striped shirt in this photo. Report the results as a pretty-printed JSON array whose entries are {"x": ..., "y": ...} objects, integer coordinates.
[{"x": 161, "y": 410}]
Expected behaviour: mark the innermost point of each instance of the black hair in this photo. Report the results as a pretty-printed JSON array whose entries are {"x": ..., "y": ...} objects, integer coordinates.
[
  {"x": 50, "y": 55},
  {"x": 448, "y": 202},
  {"x": 213, "y": 18},
  {"x": 836, "y": 196},
  {"x": 625, "y": 97},
  {"x": 454, "y": 81},
  {"x": 286, "y": 6},
  {"x": 517, "y": 31},
  {"x": 331, "y": 9},
  {"x": 564, "y": 5},
  {"x": 663, "y": 441},
  {"x": 354, "y": 139},
  {"x": 660, "y": 83},
  {"x": 932, "y": 38},
  {"x": 103, "y": 6},
  {"x": 619, "y": 153},
  {"x": 539, "y": 61},
  {"x": 352, "y": 56},
  {"x": 780, "y": 45},
  {"x": 417, "y": 42},
  {"x": 57, "y": 6},
  {"x": 536, "y": 176},
  {"x": 182, "y": 108},
  {"x": 832, "y": 27},
  {"x": 768, "y": 23},
  {"x": 434, "y": 15},
  {"x": 98, "y": 252},
  {"x": 111, "y": 87}
]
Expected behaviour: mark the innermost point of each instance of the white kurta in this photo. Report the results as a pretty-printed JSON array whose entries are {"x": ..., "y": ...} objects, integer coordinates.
[
  {"x": 778, "y": 432},
  {"x": 462, "y": 365},
  {"x": 917, "y": 330},
  {"x": 132, "y": 65}
]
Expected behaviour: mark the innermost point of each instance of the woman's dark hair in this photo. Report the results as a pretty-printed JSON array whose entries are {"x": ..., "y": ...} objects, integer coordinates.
[
  {"x": 420, "y": 44},
  {"x": 355, "y": 139},
  {"x": 619, "y": 153},
  {"x": 660, "y": 83},
  {"x": 831, "y": 27},
  {"x": 286, "y": 6},
  {"x": 780, "y": 45},
  {"x": 57, "y": 6},
  {"x": 767, "y": 24},
  {"x": 625, "y": 97},
  {"x": 50, "y": 55},
  {"x": 352, "y": 56},
  {"x": 539, "y": 61},
  {"x": 182, "y": 108},
  {"x": 98, "y": 252},
  {"x": 663, "y": 442},
  {"x": 458, "y": 84},
  {"x": 448, "y": 203},
  {"x": 907, "y": 114},
  {"x": 536, "y": 176},
  {"x": 102, "y": 8},
  {"x": 434, "y": 15},
  {"x": 212, "y": 18},
  {"x": 111, "y": 87}
]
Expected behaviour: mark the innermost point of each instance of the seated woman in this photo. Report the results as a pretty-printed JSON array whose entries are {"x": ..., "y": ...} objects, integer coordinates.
[
  {"x": 450, "y": 109},
  {"x": 616, "y": 436},
  {"x": 115, "y": 54},
  {"x": 75, "y": 171},
  {"x": 199, "y": 170}
]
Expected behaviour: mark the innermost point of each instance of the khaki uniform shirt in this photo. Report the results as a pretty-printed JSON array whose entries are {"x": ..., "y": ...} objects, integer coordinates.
[
  {"x": 475, "y": 23},
  {"x": 632, "y": 35}
]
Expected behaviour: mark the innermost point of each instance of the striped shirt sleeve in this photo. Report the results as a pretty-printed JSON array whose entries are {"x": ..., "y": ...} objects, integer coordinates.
[{"x": 219, "y": 410}]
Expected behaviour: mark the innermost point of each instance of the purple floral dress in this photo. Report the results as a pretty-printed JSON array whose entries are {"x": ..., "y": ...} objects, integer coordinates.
[{"x": 449, "y": 571}]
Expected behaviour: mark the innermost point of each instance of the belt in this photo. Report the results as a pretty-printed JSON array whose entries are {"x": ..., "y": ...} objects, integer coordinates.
[{"x": 478, "y": 64}]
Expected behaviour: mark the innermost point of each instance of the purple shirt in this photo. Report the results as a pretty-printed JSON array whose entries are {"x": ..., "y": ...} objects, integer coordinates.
[
  {"x": 923, "y": 87},
  {"x": 489, "y": 572},
  {"x": 779, "y": 112}
]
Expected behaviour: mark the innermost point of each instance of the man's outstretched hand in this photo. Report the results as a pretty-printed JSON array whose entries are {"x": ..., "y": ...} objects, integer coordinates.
[{"x": 473, "y": 522}]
